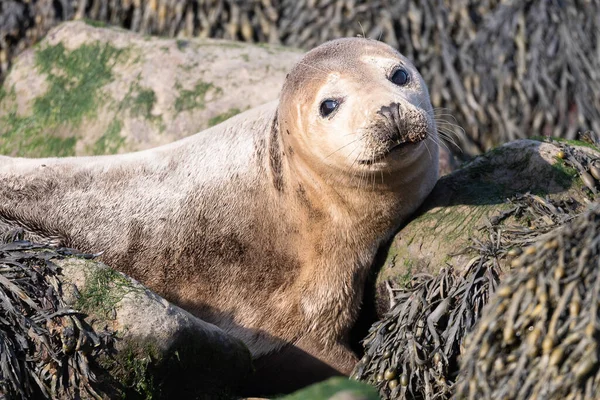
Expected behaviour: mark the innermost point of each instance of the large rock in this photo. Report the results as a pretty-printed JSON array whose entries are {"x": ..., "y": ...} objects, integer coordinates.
[
  {"x": 85, "y": 90},
  {"x": 162, "y": 350},
  {"x": 463, "y": 201}
]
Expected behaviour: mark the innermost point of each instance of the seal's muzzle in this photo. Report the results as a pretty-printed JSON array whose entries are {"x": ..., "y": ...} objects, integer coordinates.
[{"x": 401, "y": 124}]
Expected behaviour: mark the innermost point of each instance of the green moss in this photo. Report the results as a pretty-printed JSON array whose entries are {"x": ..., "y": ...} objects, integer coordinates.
[
  {"x": 222, "y": 117},
  {"x": 74, "y": 81},
  {"x": 94, "y": 23},
  {"x": 195, "y": 98},
  {"x": 134, "y": 372},
  {"x": 111, "y": 141},
  {"x": 245, "y": 57},
  {"x": 329, "y": 388},
  {"x": 140, "y": 101},
  {"x": 130, "y": 368},
  {"x": 27, "y": 136},
  {"x": 188, "y": 67},
  {"x": 104, "y": 288},
  {"x": 565, "y": 175},
  {"x": 454, "y": 222},
  {"x": 575, "y": 143},
  {"x": 143, "y": 103},
  {"x": 182, "y": 44},
  {"x": 405, "y": 278}
]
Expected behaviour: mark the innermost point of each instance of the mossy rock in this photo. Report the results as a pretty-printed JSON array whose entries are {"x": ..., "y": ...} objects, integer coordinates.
[
  {"x": 161, "y": 351},
  {"x": 88, "y": 90},
  {"x": 335, "y": 389},
  {"x": 462, "y": 201}
]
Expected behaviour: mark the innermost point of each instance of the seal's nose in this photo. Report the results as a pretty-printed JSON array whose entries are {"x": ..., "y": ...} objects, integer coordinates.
[
  {"x": 394, "y": 122},
  {"x": 402, "y": 124}
]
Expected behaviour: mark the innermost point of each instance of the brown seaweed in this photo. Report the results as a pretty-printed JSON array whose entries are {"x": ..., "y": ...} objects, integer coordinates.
[
  {"x": 416, "y": 350},
  {"x": 539, "y": 337},
  {"x": 47, "y": 350}
]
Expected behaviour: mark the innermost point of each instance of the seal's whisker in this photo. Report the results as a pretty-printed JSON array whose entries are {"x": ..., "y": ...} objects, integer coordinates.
[
  {"x": 447, "y": 110},
  {"x": 450, "y": 125},
  {"x": 444, "y": 122},
  {"x": 447, "y": 137},
  {"x": 447, "y": 131},
  {"x": 428, "y": 151},
  {"x": 372, "y": 175},
  {"x": 313, "y": 67},
  {"x": 442, "y": 142},
  {"x": 362, "y": 29},
  {"x": 346, "y": 145}
]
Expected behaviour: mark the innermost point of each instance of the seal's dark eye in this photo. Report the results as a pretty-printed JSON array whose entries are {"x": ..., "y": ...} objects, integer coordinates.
[
  {"x": 400, "y": 77},
  {"x": 328, "y": 106}
]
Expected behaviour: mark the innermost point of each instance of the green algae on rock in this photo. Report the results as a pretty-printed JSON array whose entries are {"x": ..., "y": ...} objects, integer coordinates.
[
  {"x": 462, "y": 201},
  {"x": 86, "y": 90},
  {"x": 162, "y": 351},
  {"x": 335, "y": 388},
  {"x": 73, "y": 327}
]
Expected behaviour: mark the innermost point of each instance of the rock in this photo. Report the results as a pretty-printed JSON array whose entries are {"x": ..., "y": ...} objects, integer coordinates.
[
  {"x": 335, "y": 389},
  {"x": 86, "y": 90},
  {"x": 162, "y": 351},
  {"x": 462, "y": 202}
]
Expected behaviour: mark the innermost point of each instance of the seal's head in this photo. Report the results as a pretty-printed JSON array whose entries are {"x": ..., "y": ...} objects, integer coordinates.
[{"x": 357, "y": 104}]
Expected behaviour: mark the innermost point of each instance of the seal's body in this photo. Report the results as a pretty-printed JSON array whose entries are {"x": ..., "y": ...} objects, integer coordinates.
[{"x": 266, "y": 224}]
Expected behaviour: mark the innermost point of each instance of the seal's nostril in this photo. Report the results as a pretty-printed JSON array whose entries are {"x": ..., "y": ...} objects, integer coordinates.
[
  {"x": 394, "y": 120},
  {"x": 391, "y": 112}
]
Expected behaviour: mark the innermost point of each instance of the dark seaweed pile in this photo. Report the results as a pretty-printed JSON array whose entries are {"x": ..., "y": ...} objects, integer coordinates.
[
  {"x": 47, "y": 350},
  {"x": 415, "y": 351},
  {"x": 539, "y": 337},
  {"x": 500, "y": 69}
]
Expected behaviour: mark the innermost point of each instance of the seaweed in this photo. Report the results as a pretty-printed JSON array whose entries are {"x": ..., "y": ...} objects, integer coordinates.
[{"x": 47, "y": 350}]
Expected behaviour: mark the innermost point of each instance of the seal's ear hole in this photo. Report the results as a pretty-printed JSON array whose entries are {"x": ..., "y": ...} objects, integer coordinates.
[
  {"x": 328, "y": 106},
  {"x": 400, "y": 77}
]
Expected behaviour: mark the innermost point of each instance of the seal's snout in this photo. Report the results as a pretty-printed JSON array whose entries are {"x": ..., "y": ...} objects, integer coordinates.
[{"x": 403, "y": 124}]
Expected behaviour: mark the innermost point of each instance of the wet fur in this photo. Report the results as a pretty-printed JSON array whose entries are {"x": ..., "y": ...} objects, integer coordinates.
[{"x": 227, "y": 224}]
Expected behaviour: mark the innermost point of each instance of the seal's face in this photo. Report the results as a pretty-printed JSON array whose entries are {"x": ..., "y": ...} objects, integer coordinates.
[{"x": 359, "y": 105}]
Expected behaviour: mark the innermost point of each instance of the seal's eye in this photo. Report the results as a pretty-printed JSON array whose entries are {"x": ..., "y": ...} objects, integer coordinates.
[
  {"x": 328, "y": 106},
  {"x": 400, "y": 77}
]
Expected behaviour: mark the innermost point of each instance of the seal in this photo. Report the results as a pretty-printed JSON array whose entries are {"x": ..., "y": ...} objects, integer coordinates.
[{"x": 266, "y": 224}]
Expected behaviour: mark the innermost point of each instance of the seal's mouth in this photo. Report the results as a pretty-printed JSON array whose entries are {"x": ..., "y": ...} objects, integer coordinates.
[
  {"x": 395, "y": 148},
  {"x": 397, "y": 129}
]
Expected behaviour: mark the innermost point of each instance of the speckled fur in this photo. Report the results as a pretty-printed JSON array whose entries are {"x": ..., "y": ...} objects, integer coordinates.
[{"x": 255, "y": 225}]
